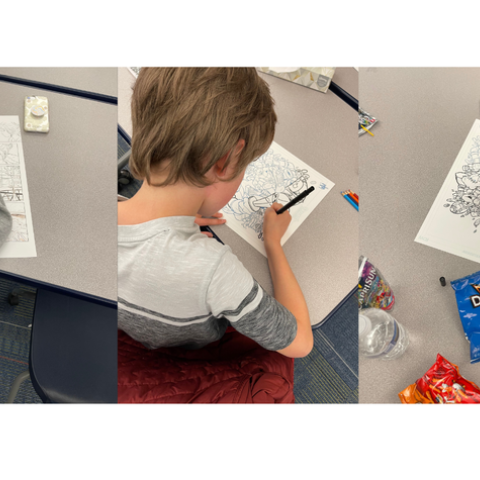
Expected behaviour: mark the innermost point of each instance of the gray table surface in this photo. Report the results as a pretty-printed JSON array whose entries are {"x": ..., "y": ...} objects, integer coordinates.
[
  {"x": 97, "y": 80},
  {"x": 424, "y": 117},
  {"x": 71, "y": 175},
  {"x": 321, "y": 130}
]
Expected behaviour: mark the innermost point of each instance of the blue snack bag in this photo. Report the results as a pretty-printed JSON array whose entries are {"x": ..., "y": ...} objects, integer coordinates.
[{"x": 467, "y": 292}]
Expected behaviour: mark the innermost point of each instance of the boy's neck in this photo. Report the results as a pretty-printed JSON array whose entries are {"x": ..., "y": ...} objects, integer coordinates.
[{"x": 150, "y": 203}]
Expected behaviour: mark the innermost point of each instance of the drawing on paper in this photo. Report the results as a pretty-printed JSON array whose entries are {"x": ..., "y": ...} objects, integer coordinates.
[
  {"x": 465, "y": 200},
  {"x": 272, "y": 178},
  {"x": 11, "y": 182},
  {"x": 277, "y": 176},
  {"x": 452, "y": 222},
  {"x": 13, "y": 189}
]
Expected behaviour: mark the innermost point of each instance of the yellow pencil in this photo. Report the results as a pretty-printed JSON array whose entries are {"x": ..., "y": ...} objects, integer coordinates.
[{"x": 368, "y": 131}]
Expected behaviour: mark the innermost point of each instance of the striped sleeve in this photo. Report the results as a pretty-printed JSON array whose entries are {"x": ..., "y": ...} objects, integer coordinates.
[{"x": 235, "y": 295}]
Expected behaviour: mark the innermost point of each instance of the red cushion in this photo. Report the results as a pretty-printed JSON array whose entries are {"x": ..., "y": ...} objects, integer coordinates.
[{"x": 234, "y": 369}]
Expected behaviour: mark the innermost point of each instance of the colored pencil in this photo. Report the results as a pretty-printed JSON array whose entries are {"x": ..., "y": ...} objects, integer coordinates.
[
  {"x": 348, "y": 193},
  {"x": 353, "y": 194},
  {"x": 368, "y": 131},
  {"x": 295, "y": 200},
  {"x": 349, "y": 200}
]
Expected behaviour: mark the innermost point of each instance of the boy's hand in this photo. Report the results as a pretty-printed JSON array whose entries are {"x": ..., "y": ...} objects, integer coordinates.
[
  {"x": 274, "y": 225},
  {"x": 207, "y": 221}
]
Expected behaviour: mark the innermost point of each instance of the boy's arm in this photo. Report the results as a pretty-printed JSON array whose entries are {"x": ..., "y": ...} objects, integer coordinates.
[{"x": 285, "y": 285}]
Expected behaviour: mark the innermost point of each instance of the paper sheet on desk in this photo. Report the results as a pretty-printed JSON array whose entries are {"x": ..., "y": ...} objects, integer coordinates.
[
  {"x": 13, "y": 188},
  {"x": 279, "y": 176},
  {"x": 453, "y": 222}
]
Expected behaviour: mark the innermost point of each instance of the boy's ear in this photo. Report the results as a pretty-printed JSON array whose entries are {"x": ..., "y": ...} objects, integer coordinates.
[{"x": 220, "y": 169}]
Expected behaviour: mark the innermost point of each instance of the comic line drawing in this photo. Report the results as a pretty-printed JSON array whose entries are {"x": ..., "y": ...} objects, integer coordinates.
[
  {"x": 465, "y": 200},
  {"x": 452, "y": 222},
  {"x": 277, "y": 176},
  {"x": 13, "y": 189}
]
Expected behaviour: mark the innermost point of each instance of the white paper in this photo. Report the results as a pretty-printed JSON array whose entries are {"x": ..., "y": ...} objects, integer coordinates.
[
  {"x": 277, "y": 176},
  {"x": 452, "y": 224},
  {"x": 13, "y": 188}
]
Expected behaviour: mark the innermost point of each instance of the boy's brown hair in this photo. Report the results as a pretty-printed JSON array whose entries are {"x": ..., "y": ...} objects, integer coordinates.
[{"x": 193, "y": 117}]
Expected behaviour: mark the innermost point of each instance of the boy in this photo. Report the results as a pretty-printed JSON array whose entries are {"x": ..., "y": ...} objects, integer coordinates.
[
  {"x": 5, "y": 222},
  {"x": 195, "y": 130}
]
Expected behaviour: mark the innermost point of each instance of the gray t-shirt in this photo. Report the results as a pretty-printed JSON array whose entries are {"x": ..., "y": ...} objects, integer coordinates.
[
  {"x": 5, "y": 222},
  {"x": 177, "y": 287}
]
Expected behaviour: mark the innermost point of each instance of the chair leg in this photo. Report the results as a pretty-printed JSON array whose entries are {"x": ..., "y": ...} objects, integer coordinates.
[
  {"x": 16, "y": 385},
  {"x": 16, "y": 293}
]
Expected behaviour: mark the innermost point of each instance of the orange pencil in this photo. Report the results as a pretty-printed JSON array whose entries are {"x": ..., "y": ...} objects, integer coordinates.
[
  {"x": 353, "y": 194},
  {"x": 350, "y": 195}
]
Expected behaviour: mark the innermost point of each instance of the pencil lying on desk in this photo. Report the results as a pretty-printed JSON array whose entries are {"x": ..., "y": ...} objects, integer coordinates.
[
  {"x": 353, "y": 194},
  {"x": 368, "y": 131},
  {"x": 350, "y": 200}
]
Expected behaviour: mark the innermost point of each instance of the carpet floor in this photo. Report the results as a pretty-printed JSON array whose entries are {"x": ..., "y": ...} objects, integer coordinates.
[{"x": 15, "y": 329}]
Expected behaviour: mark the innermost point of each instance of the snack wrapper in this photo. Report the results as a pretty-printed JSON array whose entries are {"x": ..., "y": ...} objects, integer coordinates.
[
  {"x": 373, "y": 289},
  {"x": 467, "y": 292},
  {"x": 441, "y": 384}
]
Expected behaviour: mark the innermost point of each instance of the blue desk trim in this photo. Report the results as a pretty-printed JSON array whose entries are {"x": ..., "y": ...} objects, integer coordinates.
[
  {"x": 57, "y": 289},
  {"x": 99, "y": 97}
]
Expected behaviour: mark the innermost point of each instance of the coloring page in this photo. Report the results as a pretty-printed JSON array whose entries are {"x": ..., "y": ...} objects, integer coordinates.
[
  {"x": 277, "y": 176},
  {"x": 453, "y": 222},
  {"x": 13, "y": 188}
]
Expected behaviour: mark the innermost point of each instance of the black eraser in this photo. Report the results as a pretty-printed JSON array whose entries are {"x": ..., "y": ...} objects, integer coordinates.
[{"x": 442, "y": 281}]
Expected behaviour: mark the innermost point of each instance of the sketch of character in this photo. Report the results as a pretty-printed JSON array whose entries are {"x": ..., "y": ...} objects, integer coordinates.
[
  {"x": 9, "y": 132},
  {"x": 11, "y": 188},
  {"x": 272, "y": 178},
  {"x": 465, "y": 199}
]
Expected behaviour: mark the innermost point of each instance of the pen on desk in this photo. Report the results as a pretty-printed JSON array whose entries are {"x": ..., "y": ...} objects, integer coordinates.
[
  {"x": 295, "y": 200},
  {"x": 349, "y": 200}
]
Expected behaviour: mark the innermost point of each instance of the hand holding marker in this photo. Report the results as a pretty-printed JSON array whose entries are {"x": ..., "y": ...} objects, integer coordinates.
[{"x": 295, "y": 200}]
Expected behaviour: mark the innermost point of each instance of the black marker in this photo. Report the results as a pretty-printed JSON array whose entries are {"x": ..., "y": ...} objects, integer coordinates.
[{"x": 295, "y": 200}]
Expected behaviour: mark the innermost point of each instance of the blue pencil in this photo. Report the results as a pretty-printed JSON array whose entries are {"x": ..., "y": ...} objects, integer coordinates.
[{"x": 346, "y": 197}]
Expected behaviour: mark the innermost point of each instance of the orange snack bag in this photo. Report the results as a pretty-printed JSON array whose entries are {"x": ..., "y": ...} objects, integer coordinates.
[{"x": 441, "y": 384}]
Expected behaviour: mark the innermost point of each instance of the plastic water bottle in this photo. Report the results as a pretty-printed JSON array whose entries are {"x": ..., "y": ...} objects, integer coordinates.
[{"x": 380, "y": 335}]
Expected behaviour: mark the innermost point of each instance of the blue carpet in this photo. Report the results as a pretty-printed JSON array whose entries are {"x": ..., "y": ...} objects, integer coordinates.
[
  {"x": 330, "y": 373},
  {"x": 15, "y": 342}
]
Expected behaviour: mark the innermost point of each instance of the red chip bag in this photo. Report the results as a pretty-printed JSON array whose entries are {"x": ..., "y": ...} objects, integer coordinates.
[{"x": 441, "y": 384}]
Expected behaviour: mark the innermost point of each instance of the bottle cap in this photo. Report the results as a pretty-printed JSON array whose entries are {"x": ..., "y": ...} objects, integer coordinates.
[{"x": 364, "y": 325}]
